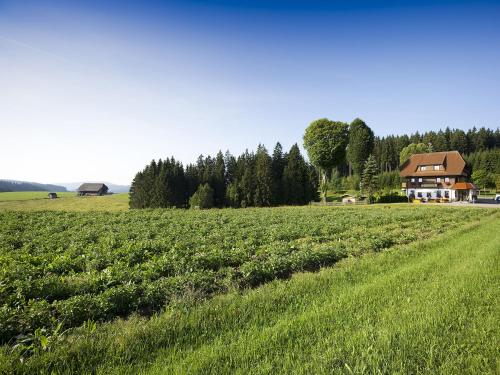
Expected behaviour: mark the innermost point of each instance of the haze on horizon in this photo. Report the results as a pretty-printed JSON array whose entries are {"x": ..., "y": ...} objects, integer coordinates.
[{"x": 94, "y": 90}]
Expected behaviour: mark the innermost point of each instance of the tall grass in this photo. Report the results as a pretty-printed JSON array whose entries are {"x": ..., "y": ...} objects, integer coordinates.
[{"x": 429, "y": 307}]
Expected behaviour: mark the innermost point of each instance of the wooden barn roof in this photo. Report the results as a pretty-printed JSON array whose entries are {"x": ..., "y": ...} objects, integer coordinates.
[
  {"x": 454, "y": 164},
  {"x": 91, "y": 187}
]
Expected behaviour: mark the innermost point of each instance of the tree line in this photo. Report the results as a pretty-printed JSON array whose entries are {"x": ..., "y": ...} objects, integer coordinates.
[
  {"x": 341, "y": 156},
  {"x": 253, "y": 179}
]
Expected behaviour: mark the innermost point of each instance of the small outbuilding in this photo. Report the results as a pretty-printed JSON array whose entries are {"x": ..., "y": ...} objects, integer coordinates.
[
  {"x": 52, "y": 195},
  {"x": 92, "y": 189},
  {"x": 352, "y": 199}
]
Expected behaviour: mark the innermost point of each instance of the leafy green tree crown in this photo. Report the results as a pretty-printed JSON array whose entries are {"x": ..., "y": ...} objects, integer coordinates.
[
  {"x": 361, "y": 140},
  {"x": 326, "y": 142},
  {"x": 412, "y": 148}
]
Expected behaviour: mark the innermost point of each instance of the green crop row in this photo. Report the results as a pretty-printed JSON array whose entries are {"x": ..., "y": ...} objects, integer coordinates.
[{"x": 63, "y": 269}]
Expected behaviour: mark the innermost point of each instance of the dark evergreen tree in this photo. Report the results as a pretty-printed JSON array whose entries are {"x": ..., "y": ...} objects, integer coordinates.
[
  {"x": 295, "y": 178},
  {"x": 278, "y": 163},
  {"x": 263, "y": 178},
  {"x": 369, "y": 180}
]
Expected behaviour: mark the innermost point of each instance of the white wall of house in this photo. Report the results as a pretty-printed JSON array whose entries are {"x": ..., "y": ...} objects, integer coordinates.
[{"x": 433, "y": 193}]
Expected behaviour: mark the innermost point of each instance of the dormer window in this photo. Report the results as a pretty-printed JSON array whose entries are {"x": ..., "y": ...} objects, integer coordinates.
[
  {"x": 437, "y": 167},
  {"x": 423, "y": 168}
]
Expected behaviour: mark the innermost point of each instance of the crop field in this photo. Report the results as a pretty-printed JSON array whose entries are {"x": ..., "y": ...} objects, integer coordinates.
[
  {"x": 62, "y": 271},
  {"x": 68, "y": 201}
]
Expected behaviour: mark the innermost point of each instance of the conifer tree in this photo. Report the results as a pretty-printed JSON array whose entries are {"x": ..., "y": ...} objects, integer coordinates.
[
  {"x": 369, "y": 180},
  {"x": 218, "y": 180},
  {"x": 295, "y": 178},
  {"x": 278, "y": 163},
  {"x": 263, "y": 178}
]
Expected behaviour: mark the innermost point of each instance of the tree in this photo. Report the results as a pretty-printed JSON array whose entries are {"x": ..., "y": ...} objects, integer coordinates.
[
  {"x": 412, "y": 148},
  {"x": 369, "y": 180},
  {"x": 263, "y": 178},
  {"x": 481, "y": 178},
  {"x": 295, "y": 178},
  {"x": 497, "y": 182},
  {"x": 203, "y": 197},
  {"x": 458, "y": 141},
  {"x": 326, "y": 142},
  {"x": 218, "y": 180},
  {"x": 278, "y": 163},
  {"x": 360, "y": 144}
]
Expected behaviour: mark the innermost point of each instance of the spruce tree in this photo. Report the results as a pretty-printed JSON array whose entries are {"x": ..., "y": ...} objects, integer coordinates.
[
  {"x": 218, "y": 180},
  {"x": 263, "y": 178},
  {"x": 295, "y": 178},
  {"x": 278, "y": 163},
  {"x": 369, "y": 180}
]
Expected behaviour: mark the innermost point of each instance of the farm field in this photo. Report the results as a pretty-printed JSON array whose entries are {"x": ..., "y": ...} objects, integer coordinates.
[
  {"x": 422, "y": 305},
  {"x": 60, "y": 270},
  {"x": 68, "y": 201},
  {"x": 30, "y": 195}
]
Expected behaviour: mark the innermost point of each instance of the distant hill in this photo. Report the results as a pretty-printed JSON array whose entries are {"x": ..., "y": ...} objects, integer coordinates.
[
  {"x": 13, "y": 185},
  {"x": 114, "y": 188}
]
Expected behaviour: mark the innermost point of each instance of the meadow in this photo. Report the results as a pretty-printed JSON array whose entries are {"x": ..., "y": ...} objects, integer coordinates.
[
  {"x": 67, "y": 201},
  {"x": 402, "y": 288},
  {"x": 30, "y": 195}
]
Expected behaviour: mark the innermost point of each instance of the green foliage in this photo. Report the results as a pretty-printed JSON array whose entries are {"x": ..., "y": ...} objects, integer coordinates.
[
  {"x": 369, "y": 180},
  {"x": 412, "y": 148},
  {"x": 203, "y": 197},
  {"x": 326, "y": 142},
  {"x": 425, "y": 296},
  {"x": 68, "y": 268},
  {"x": 263, "y": 178},
  {"x": 482, "y": 179},
  {"x": 389, "y": 180},
  {"x": 497, "y": 182},
  {"x": 390, "y": 198},
  {"x": 361, "y": 139}
]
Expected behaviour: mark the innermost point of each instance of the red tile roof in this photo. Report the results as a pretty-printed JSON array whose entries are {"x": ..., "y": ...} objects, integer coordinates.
[{"x": 463, "y": 186}]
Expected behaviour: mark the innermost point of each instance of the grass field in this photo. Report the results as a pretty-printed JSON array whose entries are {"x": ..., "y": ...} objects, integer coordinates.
[
  {"x": 60, "y": 270},
  {"x": 30, "y": 195},
  {"x": 430, "y": 306},
  {"x": 68, "y": 201}
]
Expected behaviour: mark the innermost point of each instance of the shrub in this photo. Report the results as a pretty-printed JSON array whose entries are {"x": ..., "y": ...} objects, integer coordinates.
[
  {"x": 203, "y": 197},
  {"x": 391, "y": 198}
]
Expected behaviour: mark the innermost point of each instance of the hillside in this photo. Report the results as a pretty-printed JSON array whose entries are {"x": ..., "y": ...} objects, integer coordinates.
[{"x": 13, "y": 186}]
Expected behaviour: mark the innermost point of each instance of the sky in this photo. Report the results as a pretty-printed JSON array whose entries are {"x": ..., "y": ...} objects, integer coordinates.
[{"x": 93, "y": 90}]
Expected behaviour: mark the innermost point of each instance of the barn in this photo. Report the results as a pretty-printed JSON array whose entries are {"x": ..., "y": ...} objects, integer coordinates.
[{"x": 92, "y": 189}]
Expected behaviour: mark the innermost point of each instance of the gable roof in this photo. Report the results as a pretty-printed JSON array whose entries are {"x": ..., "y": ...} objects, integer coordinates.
[
  {"x": 454, "y": 164},
  {"x": 91, "y": 187}
]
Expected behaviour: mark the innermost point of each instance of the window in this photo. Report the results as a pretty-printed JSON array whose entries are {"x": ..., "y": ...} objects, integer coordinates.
[
  {"x": 436, "y": 168},
  {"x": 420, "y": 179},
  {"x": 419, "y": 194},
  {"x": 429, "y": 195},
  {"x": 438, "y": 194},
  {"x": 447, "y": 180},
  {"x": 447, "y": 194},
  {"x": 412, "y": 180},
  {"x": 438, "y": 179},
  {"x": 423, "y": 168}
]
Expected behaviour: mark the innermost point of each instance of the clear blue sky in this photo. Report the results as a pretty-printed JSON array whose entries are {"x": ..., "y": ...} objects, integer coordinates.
[{"x": 93, "y": 90}]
